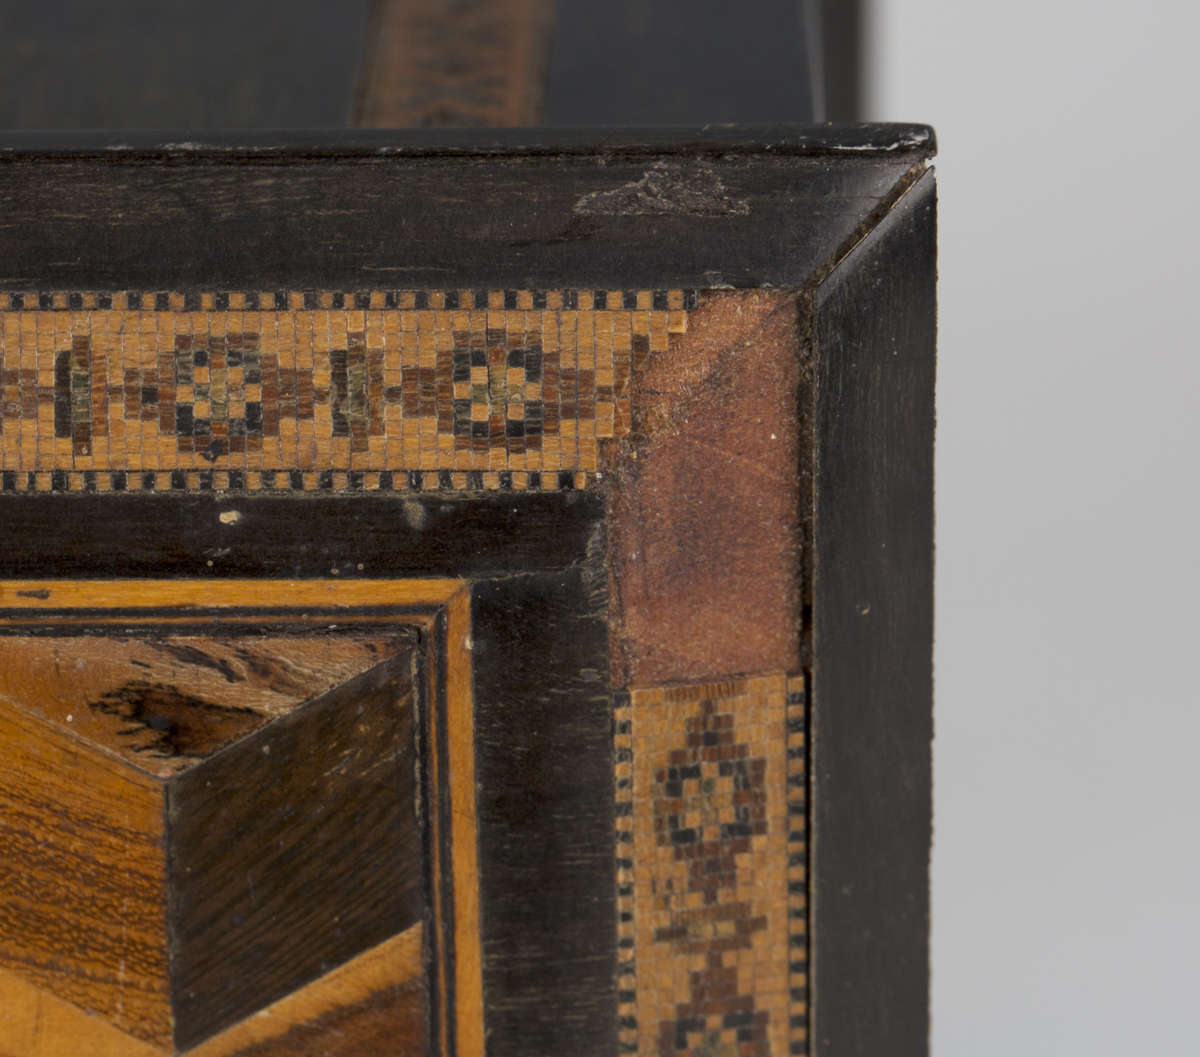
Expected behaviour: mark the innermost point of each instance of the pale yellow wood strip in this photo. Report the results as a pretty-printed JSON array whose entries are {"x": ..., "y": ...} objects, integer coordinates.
[
  {"x": 468, "y": 963},
  {"x": 137, "y": 594}
]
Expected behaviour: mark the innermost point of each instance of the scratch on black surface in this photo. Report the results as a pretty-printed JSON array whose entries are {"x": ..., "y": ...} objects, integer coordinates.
[{"x": 666, "y": 190}]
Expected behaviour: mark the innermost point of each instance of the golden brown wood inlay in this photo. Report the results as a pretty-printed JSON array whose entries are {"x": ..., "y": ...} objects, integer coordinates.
[{"x": 164, "y": 702}]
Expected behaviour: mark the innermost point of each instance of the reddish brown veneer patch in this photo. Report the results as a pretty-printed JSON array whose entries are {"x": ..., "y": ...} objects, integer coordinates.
[{"x": 705, "y": 512}]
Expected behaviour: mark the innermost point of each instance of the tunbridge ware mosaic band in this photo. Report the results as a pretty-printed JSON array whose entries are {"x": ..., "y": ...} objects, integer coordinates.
[{"x": 306, "y": 391}]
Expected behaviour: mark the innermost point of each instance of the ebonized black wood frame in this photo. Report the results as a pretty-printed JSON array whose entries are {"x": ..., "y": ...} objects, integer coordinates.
[{"x": 844, "y": 215}]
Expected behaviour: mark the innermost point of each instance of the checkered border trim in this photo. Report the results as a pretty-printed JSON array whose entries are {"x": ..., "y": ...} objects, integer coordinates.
[
  {"x": 283, "y": 482},
  {"x": 797, "y": 867},
  {"x": 316, "y": 300},
  {"x": 627, "y": 1025}
]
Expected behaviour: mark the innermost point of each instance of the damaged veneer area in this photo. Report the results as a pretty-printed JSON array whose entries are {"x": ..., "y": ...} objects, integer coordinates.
[{"x": 707, "y": 499}]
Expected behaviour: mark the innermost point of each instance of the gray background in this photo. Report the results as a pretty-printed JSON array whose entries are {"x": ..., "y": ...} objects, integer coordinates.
[
  {"x": 179, "y": 63},
  {"x": 1066, "y": 916},
  {"x": 679, "y": 61}
]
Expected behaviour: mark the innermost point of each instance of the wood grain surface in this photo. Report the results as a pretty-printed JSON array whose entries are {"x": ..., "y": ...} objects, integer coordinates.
[
  {"x": 390, "y": 1022},
  {"x": 454, "y": 62},
  {"x": 293, "y": 850},
  {"x": 165, "y": 702},
  {"x": 36, "y": 1023},
  {"x": 704, "y": 524},
  {"x": 348, "y": 1006},
  {"x": 342, "y": 1008},
  {"x": 83, "y": 876}
]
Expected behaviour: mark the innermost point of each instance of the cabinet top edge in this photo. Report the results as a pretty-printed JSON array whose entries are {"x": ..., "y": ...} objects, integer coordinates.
[{"x": 842, "y": 140}]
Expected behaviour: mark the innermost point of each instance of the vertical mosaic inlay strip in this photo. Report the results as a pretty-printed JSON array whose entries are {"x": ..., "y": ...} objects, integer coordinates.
[{"x": 710, "y": 911}]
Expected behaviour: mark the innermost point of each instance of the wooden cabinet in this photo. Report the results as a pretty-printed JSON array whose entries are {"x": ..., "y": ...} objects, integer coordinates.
[{"x": 466, "y": 592}]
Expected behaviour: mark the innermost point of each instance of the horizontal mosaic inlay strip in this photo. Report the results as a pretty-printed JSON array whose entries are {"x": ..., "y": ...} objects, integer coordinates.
[{"x": 322, "y": 389}]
